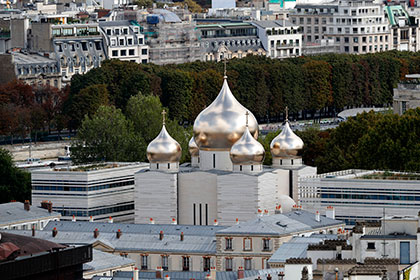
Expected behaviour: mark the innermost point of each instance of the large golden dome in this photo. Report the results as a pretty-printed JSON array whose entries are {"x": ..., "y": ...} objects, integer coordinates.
[
  {"x": 193, "y": 148},
  {"x": 222, "y": 123},
  {"x": 247, "y": 150},
  {"x": 164, "y": 148},
  {"x": 286, "y": 144}
]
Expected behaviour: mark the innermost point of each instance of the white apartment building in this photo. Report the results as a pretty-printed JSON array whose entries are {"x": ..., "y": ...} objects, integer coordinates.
[
  {"x": 97, "y": 191},
  {"x": 361, "y": 195},
  {"x": 356, "y": 26},
  {"x": 18, "y": 215},
  {"x": 280, "y": 38},
  {"x": 124, "y": 41}
]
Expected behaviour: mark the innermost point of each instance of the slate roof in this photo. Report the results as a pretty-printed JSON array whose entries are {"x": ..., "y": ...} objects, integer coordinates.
[
  {"x": 105, "y": 261},
  {"x": 13, "y": 212},
  {"x": 272, "y": 23},
  {"x": 132, "y": 241},
  {"x": 280, "y": 224},
  {"x": 168, "y": 229}
]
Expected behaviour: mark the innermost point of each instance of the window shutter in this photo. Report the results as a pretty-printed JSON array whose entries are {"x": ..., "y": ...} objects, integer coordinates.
[
  {"x": 191, "y": 264},
  {"x": 170, "y": 263},
  {"x": 202, "y": 263},
  {"x": 149, "y": 263}
]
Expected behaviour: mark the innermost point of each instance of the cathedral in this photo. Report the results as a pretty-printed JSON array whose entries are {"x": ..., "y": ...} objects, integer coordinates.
[{"x": 226, "y": 181}]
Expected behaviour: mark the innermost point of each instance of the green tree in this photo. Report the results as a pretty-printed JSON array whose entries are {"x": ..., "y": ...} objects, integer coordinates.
[
  {"x": 15, "y": 184},
  {"x": 144, "y": 3},
  {"x": 107, "y": 136}
]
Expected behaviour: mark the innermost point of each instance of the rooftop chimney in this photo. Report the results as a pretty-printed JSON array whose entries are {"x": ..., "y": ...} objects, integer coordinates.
[
  {"x": 259, "y": 211},
  {"x": 152, "y": 222},
  {"x": 278, "y": 210},
  {"x": 213, "y": 273},
  {"x": 167, "y": 277},
  {"x": 240, "y": 272},
  {"x": 54, "y": 232},
  {"x": 330, "y": 213},
  {"x": 161, "y": 235},
  {"x": 208, "y": 276},
  {"x": 111, "y": 220},
  {"x": 33, "y": 230},
  {"x": 49, "y": 206},
  {"x": 215, "y": 222},
  {"x": 159, "y": 274},
  {"x": 96, "y": 233},
  {"x": 173, "y": 221},
  {"x": 90, "y": 219},
  {"x": 135, "y": 274},
  {"x": 237, "y": 221},
  {"x": 265, "y": 212},
  {"x": 73, "y": 219},
  {"x": 26, "y": 205},
  {"x": 317, "y": 216},
  {"x": 182, "y": 236},
  {"x": 119, "y": 233}
]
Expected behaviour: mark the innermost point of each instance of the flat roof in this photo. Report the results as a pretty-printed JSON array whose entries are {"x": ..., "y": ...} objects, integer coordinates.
[
  {"x": 95, "y": 167},
  {"x": 20, "y": 58},
  {"x": 273, "y": 23},
  {"x": 14, "y": 212}
]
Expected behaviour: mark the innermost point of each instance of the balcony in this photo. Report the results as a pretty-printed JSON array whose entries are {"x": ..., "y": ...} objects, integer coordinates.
[{"x": 286, "y": 46}]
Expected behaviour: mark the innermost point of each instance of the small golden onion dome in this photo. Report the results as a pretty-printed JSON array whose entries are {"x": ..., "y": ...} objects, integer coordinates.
[
  {"x": 163, "y": 148},
  {"x": 286, "y": 144},
  {"x": 247, "y": 150},
  {"x": 193, "y": 148},
  {"x": 222, "y": 123}
]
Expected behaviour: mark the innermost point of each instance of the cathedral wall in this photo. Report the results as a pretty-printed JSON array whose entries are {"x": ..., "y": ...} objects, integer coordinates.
[
  {"x": 155, "y": 197},
  {"x": 282, "y": 181},
  {"x": 219, "y": 160},
  {"x": 197, "y": 190},
  {"x": 237, "y": 197},
  {"x": 268, "y": 191}
]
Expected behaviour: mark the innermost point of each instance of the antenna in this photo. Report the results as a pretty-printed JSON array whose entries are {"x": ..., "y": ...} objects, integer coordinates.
[{"x": 163, "y": 116}]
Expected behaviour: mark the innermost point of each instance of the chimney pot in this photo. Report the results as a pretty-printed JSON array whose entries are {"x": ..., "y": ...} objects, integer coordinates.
[
  {"x": 173, "y": 221},
  {"x": 119, "y": 233},
  {"x": 161, "y": 235},
  {"x": 152, "y": 222},
  {"x": 73, "y": 219},
  {"x": 215, "y": 222},
  {"x": 167, "y": 277},
  {"x": 96, "y": 233},
  {"x": 237, "y": 221},
  {"x": 54, "y": 232},
  {"x": 33, "y": 230},
  {"x": 317, "y": 216},
  {"x": 159, "y": 274},
  {"x": 240, "y": 273},
  {"x": 90, "y": 219},
  {"x": 111, "y": 220},
  {"x": 49, "y": 206},
  {"x": 182, "y": 236},
  {"x": 26, "y": 205}
]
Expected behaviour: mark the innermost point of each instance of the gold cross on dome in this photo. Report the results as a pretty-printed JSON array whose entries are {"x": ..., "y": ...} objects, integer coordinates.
[
  {"x": 287, "y": 113},
  {"x": 246, "y": 115},
  {"x": 163, "y": 116}
]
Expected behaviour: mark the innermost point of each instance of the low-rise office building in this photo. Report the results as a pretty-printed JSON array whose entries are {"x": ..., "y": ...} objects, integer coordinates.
[
  {"x": 280, "y": 38},
  {"x": 18, "y": 215},
  {"x": 124, "y": 41},
  {"x": 97, "y": 191}
]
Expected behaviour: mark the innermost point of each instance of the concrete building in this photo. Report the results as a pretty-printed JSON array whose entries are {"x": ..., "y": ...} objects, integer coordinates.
[
  {"x": 221, "y": 183},
  {"x": 404, "y": 28},
  {"x": 229, "y": 40},
  {"x": 13, "y": 33},
  {"x": 407, "y": 94},
  {"x": 18, "y": 215},
  {"x": 280, "y": 39},
  {"x": 124, "y": 41},
  {"x": 88, "y": 192},
  {"x": 356, "y": 26},
  {"x": 76, "y": 47},
  {"x": 361, "y": 195},
  {"x": 32, "y": 69}
]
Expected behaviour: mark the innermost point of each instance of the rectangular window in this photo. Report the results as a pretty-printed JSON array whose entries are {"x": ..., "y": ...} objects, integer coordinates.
[
  {"x": 214, "y": 160},
  {"x": 131, "y": 52},
  {"x": 144, "y": 262},
  {"x": 140, "y": 41},
  {"x": 248, "y": 263},
  {"x": 371, "y": 246},
  {"x": 165, "y": 263},
  {"x": 206, "y": 263},
  {"x": 266, "y": 244},
  {"x": 194, "y": 214},
  {"x": 404, "y": 252},
  {"x": 185, "y": 263},
  {"x": 123, "y": 52},
  {"x": 228, "y": 264},
  {"x": 114, "y": 53},
  {"x": 121, "y": 42},
  {"x": 108, "y": 32},
  {"x": 228, "y": 242},
  {"x": 144, "y": 51},
  {"x": 247, "y": 244}
]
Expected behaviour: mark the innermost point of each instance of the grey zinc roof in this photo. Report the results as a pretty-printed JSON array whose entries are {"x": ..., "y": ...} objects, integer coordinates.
[
  {"x": 115, "y": 23},
  {"x": 21, "y": 58},
  {"x": 132, "y": 242},
  {"x": 168, "y": 229},
  {"x": 13, "y": 212},
  {"x": 272, "y": 23},
  {"x": 106, "y": 261},
  {"x": 280, "y": 224}
]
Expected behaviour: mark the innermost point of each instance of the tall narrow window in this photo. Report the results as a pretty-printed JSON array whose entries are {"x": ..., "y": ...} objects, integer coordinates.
[
  {"x": 157, "y": 165},
  {"x": 169, "y": 166},
  {"x": 214, "y": 160},
  {"x": 144, "y": 262},
  {"x": 228, "y": 264},
  {"x": 194, "y": 213},
  {"x": 229, "y": 244},
  {"x": 248, "y": 264},
  {"x": 186, "y": 263},
  {"x": 165, "y": 263},
  {"x": 207, "y": 214},
  {"x": 252, "y": 168},
  {"x": 247, "y": 244},
  {"x": 206, "y": 263},
  {"x": 201, "y": 216}
]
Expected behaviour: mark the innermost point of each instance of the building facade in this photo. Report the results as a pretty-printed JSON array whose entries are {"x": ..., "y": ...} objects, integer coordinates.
[
  {"x": 407, "y": 94},
  {"x": 124, "y": 41},
  {"x": 88, "y": 192},
  {"x": 280, "y": 39},
  {"x": 356, "y": 26}
]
